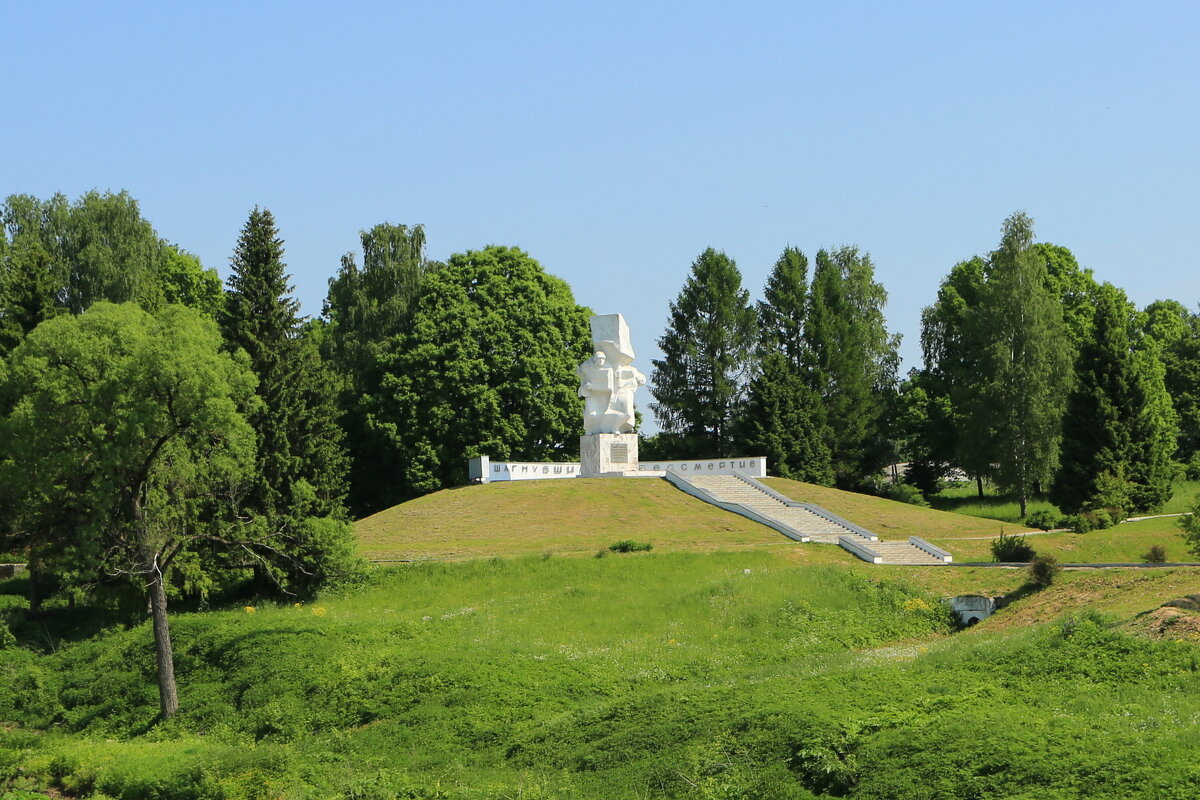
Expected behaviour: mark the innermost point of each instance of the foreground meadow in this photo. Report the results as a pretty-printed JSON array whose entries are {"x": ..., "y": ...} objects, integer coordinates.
[{"x": 719, "y": 675}]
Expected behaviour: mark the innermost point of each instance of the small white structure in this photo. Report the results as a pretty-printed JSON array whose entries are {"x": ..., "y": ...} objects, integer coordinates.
[
  {"x": 482, "y": 469},
  {"x": 972, "y": 608}
]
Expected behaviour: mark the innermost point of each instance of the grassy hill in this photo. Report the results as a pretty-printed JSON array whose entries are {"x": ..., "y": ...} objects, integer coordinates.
[
  {"x": 563, "y": 517},
  {"x": 581, "y": 516},
  {"x": 729, "y": 662},
  {"x": 661, "y": 675}
]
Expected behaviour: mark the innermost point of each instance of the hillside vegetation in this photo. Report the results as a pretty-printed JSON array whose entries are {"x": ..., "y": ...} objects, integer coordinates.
[
  {"x": 564, "y": 517},
  {"x": 722, "y": 675},
  {"x": 581, "y": 516}
]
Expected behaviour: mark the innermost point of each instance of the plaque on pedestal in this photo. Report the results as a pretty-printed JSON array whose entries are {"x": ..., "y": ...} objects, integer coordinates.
[{"x": 604, "y": 454}]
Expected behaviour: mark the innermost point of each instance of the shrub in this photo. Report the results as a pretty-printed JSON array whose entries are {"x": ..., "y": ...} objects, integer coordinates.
[
  {"x": 1044, "y": 519},
  {"x": 1081, "y": 523},
  {"x": 1012, "y": 548},
  {"x": 1157, "y": 554},
  {"x": 630, "y": 546},
  {"x": 1042, "y": 571},
  {"x": 904, "y": 493},
  {"x": 1190, "y": 525},
  {"x": 1191, "y": 470}
]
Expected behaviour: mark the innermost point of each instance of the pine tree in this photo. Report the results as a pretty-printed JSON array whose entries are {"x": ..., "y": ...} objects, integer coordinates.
[
  {"x": 1025, "y": 366},
  {"x": 301, "y": 464},
  {"x": 707, "y": 347},
  {"x": 852, "y": 360},
  {"x": 1096, "y": 438}
]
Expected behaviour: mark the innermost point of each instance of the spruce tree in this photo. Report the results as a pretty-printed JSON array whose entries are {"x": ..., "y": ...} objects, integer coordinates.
[
  {"x": 783, "y": 417},
  {"x": 781, "y": 312},
  {"x": 852, "y": 360},
  {"x": 784, "y": 421},
  {"x": 1096, "y": 436},
  {"x": 1119, "y": 428},
  {"x": 301, "y": 464},
  {"x": 700, "y": 382},
  {"x": 1025, "y": 366}
]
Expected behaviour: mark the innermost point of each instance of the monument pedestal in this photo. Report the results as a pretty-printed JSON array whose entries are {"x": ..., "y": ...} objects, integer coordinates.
[{"x": 608, "y": 455}]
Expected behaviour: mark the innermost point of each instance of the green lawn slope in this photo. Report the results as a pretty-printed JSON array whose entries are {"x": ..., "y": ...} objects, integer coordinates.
[
  {"x": 662, "y": 675},
  {"x": 561, "y": 517},
  {"x": 579, "y": 517}
]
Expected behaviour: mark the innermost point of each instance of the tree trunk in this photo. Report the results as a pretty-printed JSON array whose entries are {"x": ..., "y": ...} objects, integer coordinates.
[
  {"x": 1024, "y": 502},
  {"x": 979, "y": 485},
  {"x": 168, "y": 696}
]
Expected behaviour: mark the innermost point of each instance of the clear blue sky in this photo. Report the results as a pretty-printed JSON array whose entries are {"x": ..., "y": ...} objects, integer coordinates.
[{"x": 617, "y": 142}]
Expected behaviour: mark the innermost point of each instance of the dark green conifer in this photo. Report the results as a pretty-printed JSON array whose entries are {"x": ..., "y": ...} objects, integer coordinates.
[
  {"x": 700, "y": 382},
  {"x": 1118, "y": 431},
  {"x": 852, "y": 361},
  {"x": 301, "y": 463}
]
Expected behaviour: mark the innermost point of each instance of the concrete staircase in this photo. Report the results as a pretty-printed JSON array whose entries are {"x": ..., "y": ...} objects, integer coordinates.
[
  {"x": 805, "y": 522},
  {"x": 817, "y": 527}
]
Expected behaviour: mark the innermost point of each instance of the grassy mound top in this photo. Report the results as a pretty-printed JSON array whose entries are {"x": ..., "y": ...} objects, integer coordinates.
[{"x": 578, "y": 516}]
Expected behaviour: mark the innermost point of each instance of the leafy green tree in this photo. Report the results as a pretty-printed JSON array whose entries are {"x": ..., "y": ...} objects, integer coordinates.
[
  {"x": 1176, "y": 331},
  {"x": 707, "y": 348},
  {"x": 949, "y": 378},
  {"x": 187, "y": 282},
  {"x": 923, "y": 429},
  {"x": 1073, "y": 285},
  {"x": 110, "y": 252},
  {"x": 301, "y": 464},
  {"x": 133, "y": 423},
  {"x": 954, "y": 357},
  {"x": 367, "y": 307},
  {"x": 852, "y": 361},
  {"x": 486, "y": 367},
  {"x": 65, "y": 256},
  {"x": 1025, "y": 365},
  {"x": 1119, "y": 426}
]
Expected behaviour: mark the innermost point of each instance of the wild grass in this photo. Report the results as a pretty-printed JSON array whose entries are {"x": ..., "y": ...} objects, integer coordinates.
[{"x": 688, "y": 675}]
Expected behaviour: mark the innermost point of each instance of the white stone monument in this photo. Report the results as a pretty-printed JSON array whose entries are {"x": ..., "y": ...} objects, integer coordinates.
[{"x": 608, "y": 381}]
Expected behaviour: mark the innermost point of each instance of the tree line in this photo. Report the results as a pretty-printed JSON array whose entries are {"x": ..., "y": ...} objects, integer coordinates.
[
  {"x": 1035, "y": 377},
  {"x": 166, "y": 438}
]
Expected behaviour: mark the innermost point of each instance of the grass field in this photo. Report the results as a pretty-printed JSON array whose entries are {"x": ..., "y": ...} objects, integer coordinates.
[
  {"x": 660, "y": 675},
  {"x": 965, "y": 500},
  {"x": 582, "y": 516},
  {"x": 562, "y": 517},
  {"x": 1124, "y": 543}
]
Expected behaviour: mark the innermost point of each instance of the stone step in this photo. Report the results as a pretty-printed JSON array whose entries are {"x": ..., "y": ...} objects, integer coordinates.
[
  {"x": 903, "y": 553},
  {"x": 814, "y": 526}
]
